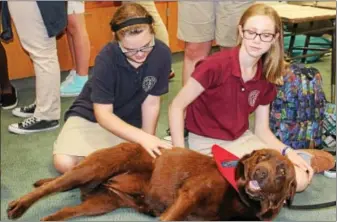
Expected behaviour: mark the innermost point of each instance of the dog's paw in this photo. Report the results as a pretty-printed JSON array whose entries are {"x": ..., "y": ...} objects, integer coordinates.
[
  {"x": 39, "y": 183},
  {"x": 16, "y": 209}
]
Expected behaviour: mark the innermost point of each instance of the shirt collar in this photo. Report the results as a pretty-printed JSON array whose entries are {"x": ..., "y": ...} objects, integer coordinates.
[{"x": 236, "y": 71}]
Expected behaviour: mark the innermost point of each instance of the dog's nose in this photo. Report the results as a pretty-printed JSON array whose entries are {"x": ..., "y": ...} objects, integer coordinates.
[{"x": 261, "y": 173}]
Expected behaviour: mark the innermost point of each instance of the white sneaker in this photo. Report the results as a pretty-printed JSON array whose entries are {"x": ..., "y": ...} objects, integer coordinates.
[
  {"x": 330, "y": 173},
  {"x": 69, "y": 78},
  {"x": 169, "y": 138},
  {"x": 73, "y": 85}
]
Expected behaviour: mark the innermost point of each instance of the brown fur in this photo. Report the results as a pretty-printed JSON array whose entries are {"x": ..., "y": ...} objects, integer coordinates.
[{"x": 179, "y": 185}]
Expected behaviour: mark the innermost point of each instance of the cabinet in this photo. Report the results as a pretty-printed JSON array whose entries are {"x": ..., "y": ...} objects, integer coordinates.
[{"x": 97, "y": 16}]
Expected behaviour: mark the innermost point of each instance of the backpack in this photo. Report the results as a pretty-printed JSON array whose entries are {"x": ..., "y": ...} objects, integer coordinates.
[
  {"x": 297, "y": 113},
  {"x": 329, "y": 125}
]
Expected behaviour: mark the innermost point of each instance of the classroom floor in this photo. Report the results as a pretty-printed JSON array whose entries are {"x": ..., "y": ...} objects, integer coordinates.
[{"x": 27, "y": 158}]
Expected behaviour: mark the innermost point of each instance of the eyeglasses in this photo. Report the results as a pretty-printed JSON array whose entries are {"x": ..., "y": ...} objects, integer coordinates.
[
  {"x": 131, "y": 52},
  {"x": 264, "y": 37}
]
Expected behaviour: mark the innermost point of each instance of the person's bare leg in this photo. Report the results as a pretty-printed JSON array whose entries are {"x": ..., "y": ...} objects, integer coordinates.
[
  {"x": 64, "y": 163},
  {"x": 194, "y": 52},
  {"x": 79, "y": 43},
  {"x": 71, "y": 49}
]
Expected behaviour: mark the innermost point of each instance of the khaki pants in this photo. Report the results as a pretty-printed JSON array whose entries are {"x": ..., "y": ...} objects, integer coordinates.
[
  {"x": 80, "y": 137},
  {"x": 203, "y": 21},
  {"x": 245, "y": 144},
  {"x": 159, "y": 26},
  {"x": 76, "y": 7},
  {"x": 43, "y": 52}
]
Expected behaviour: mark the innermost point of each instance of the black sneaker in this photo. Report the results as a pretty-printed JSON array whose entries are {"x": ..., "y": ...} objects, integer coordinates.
[
  {"x": 26, "y": 111},
  {"x": 9, "y": 101},
  {"x": 172, "y": 74},
  {"x": 168, "y": 137},
  {"x": 33, "y": 125}
]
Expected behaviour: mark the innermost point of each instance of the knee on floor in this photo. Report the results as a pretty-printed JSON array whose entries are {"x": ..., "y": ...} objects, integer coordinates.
[{"x": 64, "y": 163}]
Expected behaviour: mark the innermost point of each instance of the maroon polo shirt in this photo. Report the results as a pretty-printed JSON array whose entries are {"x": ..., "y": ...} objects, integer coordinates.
[{"x": 222, "y": 110}]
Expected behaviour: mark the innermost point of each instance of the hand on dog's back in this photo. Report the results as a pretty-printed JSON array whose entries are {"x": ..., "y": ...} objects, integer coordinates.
[{"x": 152, "y": 144}]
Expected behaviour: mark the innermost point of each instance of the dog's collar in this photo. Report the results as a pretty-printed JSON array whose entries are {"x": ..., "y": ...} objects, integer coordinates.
[{"x": 226, "y": 163}]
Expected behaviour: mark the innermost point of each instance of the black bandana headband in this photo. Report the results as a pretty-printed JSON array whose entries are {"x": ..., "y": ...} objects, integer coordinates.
[{"x": 133, "y": 21}]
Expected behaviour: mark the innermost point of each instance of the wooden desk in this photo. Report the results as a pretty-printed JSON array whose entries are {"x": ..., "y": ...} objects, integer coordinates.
[
  {"x": 299, "y": 14},
  {"x": 328, "y": 5},
  {"x": 295, "y": 14}
]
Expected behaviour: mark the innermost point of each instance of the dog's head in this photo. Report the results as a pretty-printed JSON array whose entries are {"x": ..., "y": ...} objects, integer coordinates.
[{"x": 266, "y": 180}]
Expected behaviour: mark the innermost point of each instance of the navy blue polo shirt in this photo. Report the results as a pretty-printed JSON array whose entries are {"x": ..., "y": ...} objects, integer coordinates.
[{"x": 115, "y": 81}]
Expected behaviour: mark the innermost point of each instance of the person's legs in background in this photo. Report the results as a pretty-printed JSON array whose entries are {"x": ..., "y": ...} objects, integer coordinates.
[
  {"x": 8, "y": 99},
  {"x": 228, "y": 14},
  {"x": 45, "y": 113},
  {"x": 159, "y": 26},
  {"x": 196, "y": 27},
  {"x": 79, "y": 46}
]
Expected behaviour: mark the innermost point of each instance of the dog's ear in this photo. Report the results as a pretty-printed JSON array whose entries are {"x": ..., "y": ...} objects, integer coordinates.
[
  {"x": 271, "y": 206},
  {"x": 273, "y": 203},
  {"x": 247, "y": 156},
  {"x": 291, "y": 192}
]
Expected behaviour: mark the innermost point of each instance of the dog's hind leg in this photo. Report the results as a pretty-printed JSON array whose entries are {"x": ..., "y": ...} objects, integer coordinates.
[
  {"x": 95, "y": 204},
  {"x": 94, "y": 169},
  {"x": 69, "y": 180}
]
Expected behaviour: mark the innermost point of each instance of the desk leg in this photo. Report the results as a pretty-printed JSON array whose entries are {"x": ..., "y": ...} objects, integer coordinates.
[
  {"x": 306, "y": 44},
  {"x": 333, "y": 63},
  {"x": 292, "y": 40}
]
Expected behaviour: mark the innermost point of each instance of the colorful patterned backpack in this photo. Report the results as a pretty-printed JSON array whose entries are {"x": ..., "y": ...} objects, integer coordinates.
[
  {"x": 329, "y": 125},
  {"x": 297, "y": 113}
]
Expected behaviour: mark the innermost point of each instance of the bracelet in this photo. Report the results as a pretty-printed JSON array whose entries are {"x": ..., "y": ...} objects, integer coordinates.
[{"x": 284, "y": 150}]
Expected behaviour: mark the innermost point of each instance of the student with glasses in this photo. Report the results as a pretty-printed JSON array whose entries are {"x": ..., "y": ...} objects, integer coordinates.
[
  {"x": 228, "y": 86},
  {"x": 121, "y": 101}
]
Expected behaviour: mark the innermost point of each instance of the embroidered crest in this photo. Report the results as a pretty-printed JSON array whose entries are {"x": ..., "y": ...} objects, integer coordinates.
[
  {"x": 149, "y": 82},
  {"x": 253, "y": 97}
]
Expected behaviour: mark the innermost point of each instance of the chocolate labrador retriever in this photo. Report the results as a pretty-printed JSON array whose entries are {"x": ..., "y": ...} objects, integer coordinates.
[{"x": 179, "y": 185}]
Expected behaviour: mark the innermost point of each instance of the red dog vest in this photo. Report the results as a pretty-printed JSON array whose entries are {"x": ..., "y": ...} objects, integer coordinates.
[{"x": 226, "y": 163}]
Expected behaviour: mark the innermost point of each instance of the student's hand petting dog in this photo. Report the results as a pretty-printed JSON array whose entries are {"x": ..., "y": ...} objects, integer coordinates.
[
  {"x": 301, "y": 163},
  {"x": 152, "y": 144}
]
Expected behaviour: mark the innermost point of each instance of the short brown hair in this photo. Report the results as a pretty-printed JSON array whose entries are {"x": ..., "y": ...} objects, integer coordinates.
[{"x": 128, "y": 11}]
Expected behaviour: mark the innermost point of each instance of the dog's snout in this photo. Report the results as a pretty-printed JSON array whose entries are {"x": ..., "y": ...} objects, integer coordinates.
[{"x": 261, "y": 173}]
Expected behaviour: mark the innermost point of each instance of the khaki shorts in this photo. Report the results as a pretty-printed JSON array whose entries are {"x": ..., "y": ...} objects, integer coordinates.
[
  {"x": 76, "y": 7},
  {"x": 245, "y": 144},
  {"x": 203, "y": 21},
  {"x": 80, "y": 137}
]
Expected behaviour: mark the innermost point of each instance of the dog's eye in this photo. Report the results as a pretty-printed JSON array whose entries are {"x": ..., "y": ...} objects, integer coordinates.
[
  {"x": 281, "y": 170},
  {"x": 261, "y": 158}
]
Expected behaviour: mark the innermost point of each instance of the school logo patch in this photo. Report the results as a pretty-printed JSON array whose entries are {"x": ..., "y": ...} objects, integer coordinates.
[
  {"x": 149, "y": 82},
  {"x": 253, "y": 95}
]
